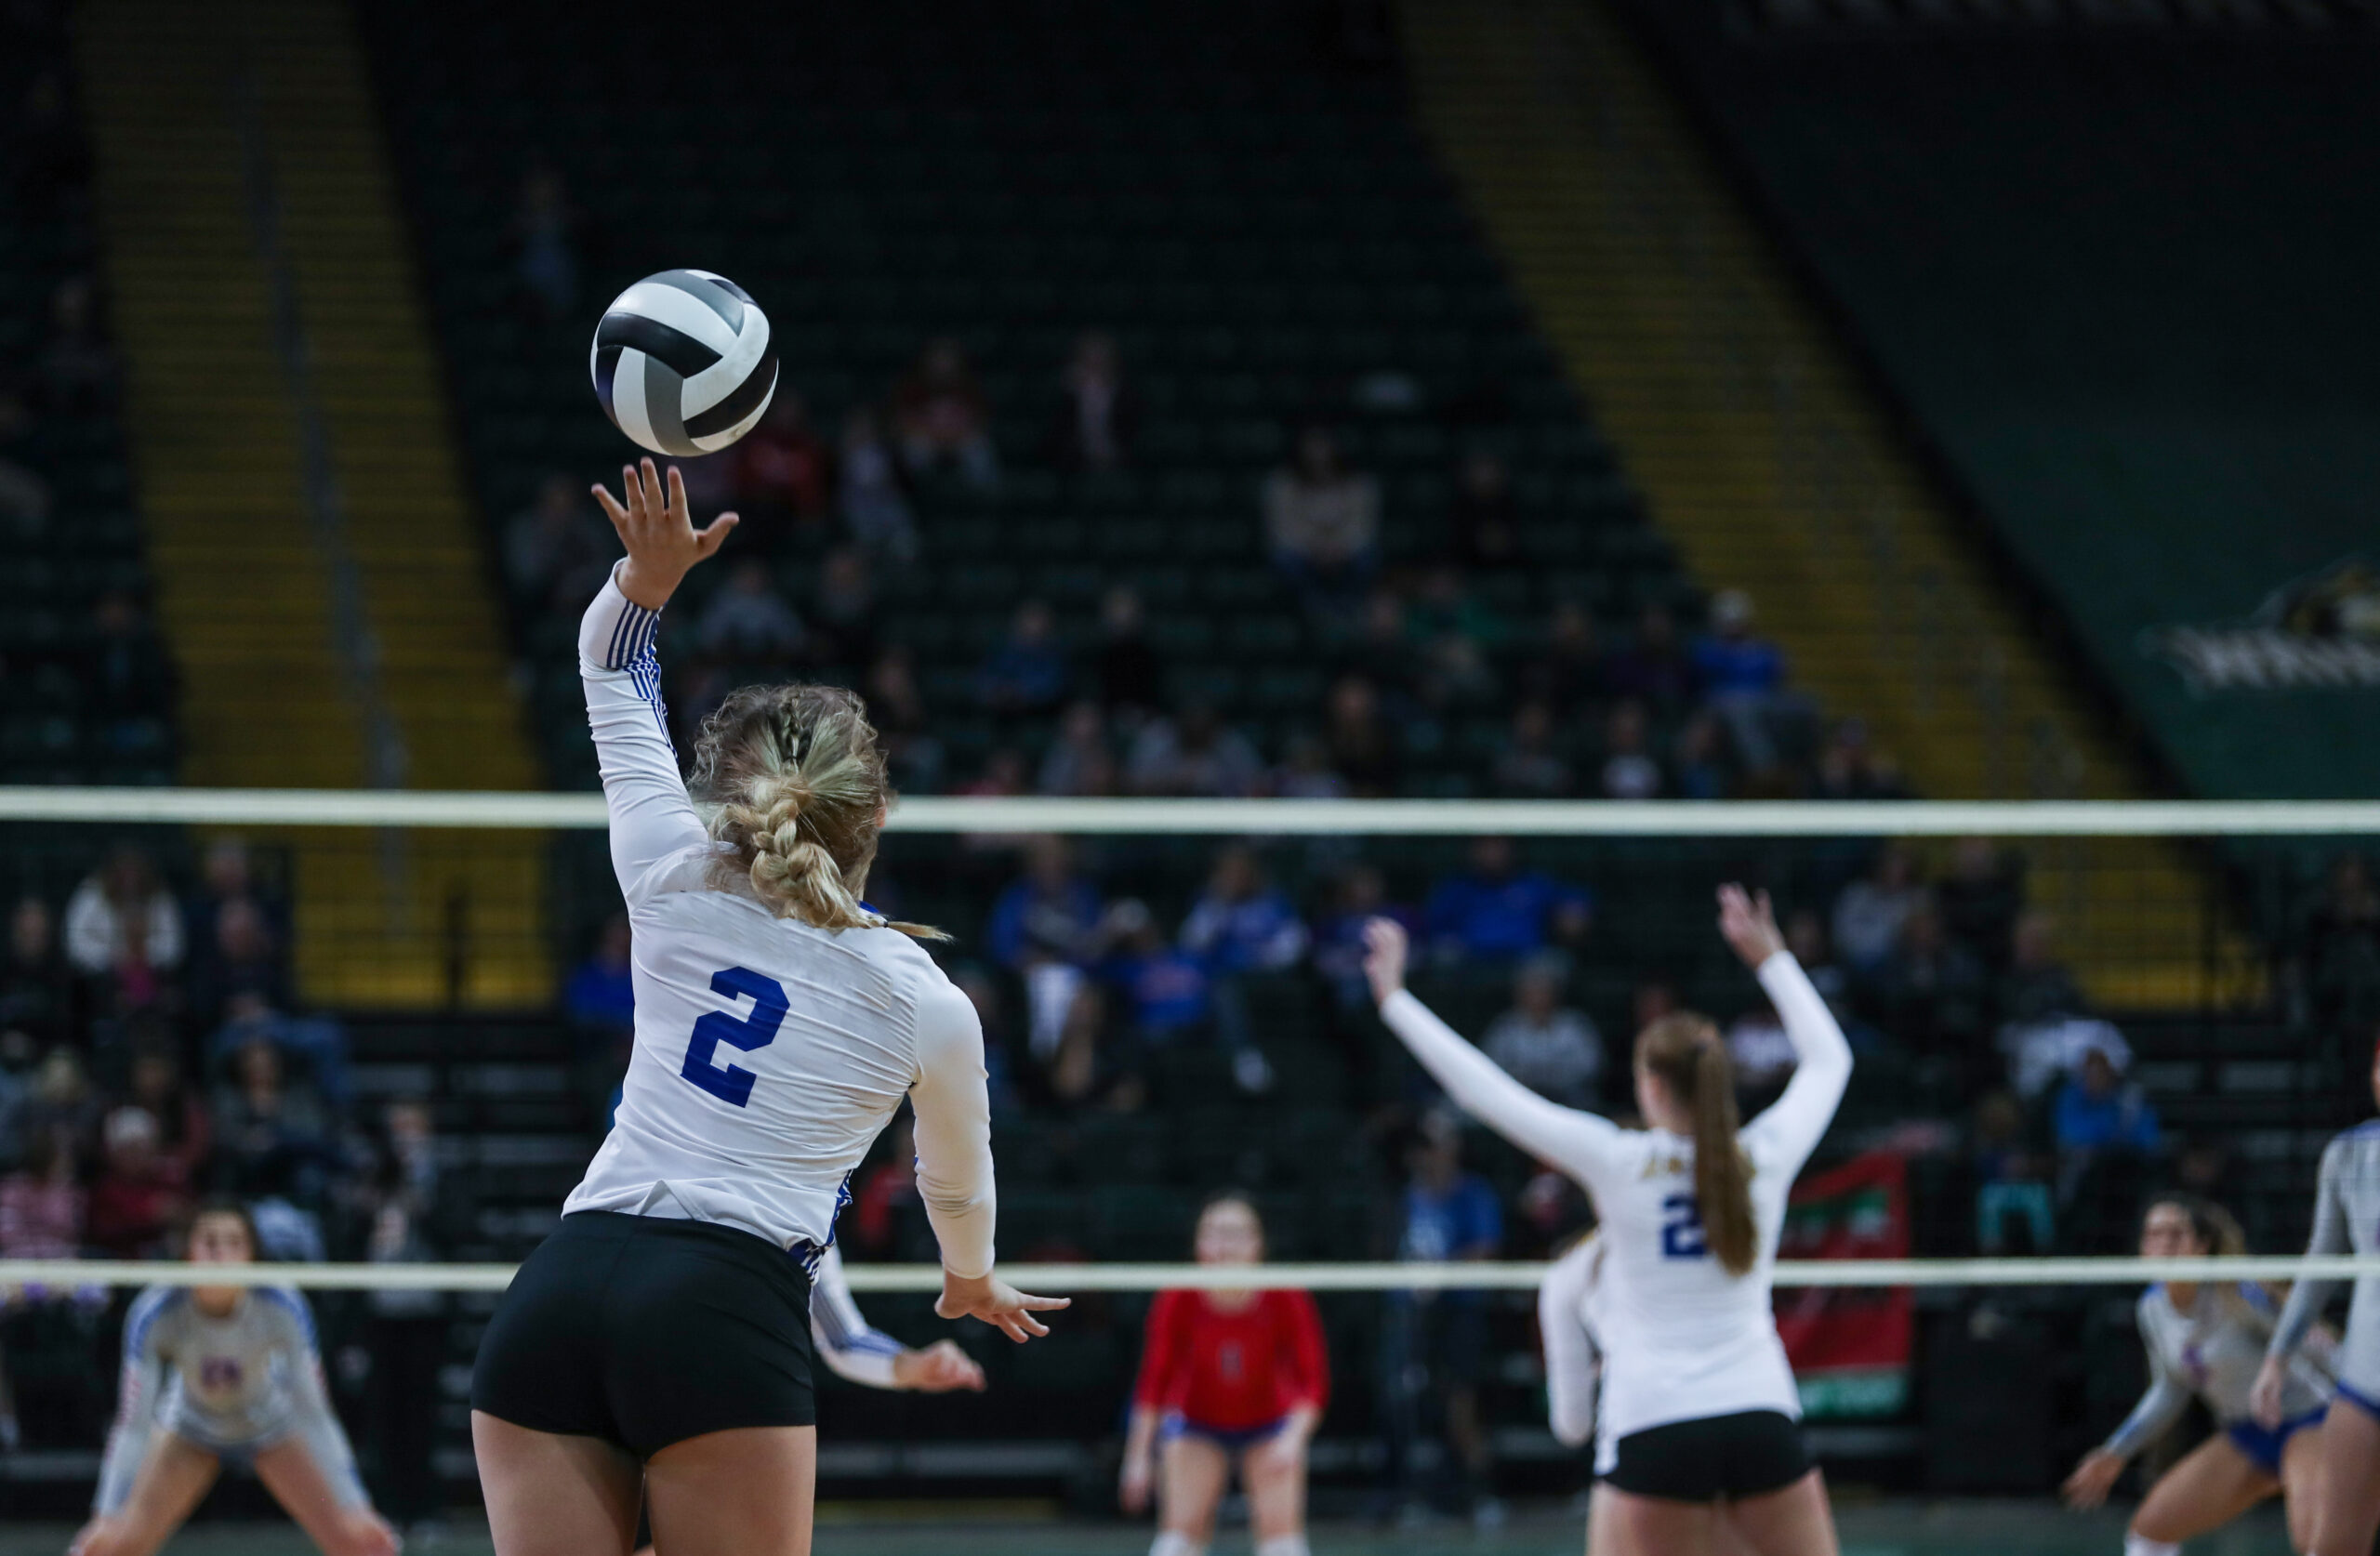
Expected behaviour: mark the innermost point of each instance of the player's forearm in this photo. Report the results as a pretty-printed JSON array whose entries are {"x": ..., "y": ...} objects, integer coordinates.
[{"x": 1480, "y": 1088}]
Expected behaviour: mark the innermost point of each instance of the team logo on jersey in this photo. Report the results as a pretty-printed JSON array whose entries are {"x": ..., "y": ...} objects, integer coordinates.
[
  {"x": 2318, "y": 631},
  {"x": 216, "y": 1373}
]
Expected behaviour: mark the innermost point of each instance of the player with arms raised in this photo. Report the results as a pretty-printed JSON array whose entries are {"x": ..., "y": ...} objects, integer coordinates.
[
  {"x": 656, "y": 1347},
  {"x": 1699, "y": 1438}
]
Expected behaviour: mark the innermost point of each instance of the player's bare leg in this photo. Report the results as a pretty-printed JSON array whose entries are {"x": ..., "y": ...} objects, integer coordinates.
[
  {"x": 2350, "y": 1507},
  {"x": 2211, "y": 1486},
  {"x": 744, "y": 1492},
  {"x": 1791, "y": 1521},
  {"x": 1192, "y": 1473},
  {"x": 289, "y": 1470},
  {"x": 1276, "y": 1485},
  {"x": 549, "y": 1495},
  {"x": 174, "y": 1477}
]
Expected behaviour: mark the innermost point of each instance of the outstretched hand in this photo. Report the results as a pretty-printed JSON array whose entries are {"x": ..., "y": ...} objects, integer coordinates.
[
  {"x": 996, "y": 1303},
  {"x": 662, "y": 543},
  {"x": 938, "y": 1369},
  {"x": 1748, "y": 925}
]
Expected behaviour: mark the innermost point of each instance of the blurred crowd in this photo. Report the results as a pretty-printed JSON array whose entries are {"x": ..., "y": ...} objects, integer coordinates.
[
  {"x": 151, "y": 1052},
  {"x": 1651, "y": 709}
]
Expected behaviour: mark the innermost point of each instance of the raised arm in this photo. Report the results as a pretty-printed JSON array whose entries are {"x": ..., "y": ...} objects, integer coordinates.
[
  {"x": 954, "y": 1134},
  {"x": 1791, "y": 1126},
  {"x": 652, "y": 818},
  {"x": 1573, "y": 1361},
  {"x": 1579, "y": 1144}
]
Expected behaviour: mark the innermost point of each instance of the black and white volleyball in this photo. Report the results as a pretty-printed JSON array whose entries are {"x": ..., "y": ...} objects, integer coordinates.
[{"x": 683, "y": 362}]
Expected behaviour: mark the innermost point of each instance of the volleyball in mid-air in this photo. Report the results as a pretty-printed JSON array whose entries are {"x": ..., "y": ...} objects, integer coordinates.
[{"x": 683, "y": 362}]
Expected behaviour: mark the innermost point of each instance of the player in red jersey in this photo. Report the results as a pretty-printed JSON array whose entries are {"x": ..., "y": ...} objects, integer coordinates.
[{"x": 1228, "y": 1377}]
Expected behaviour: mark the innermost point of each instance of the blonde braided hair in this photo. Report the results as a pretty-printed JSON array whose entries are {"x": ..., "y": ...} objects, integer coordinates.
[{"x": 795, "y": 785}]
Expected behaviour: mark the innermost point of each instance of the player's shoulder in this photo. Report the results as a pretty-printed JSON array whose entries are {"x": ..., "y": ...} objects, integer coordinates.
[
  {"x": 2348, "y": 1145},
  {"x": 154, "y": 1304},
  {"x": 287, "y": 1304},
  {"x": 2153, "y": 1304}
]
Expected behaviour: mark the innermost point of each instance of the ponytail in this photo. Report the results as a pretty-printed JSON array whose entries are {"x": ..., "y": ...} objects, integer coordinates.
[
  {"x": 1685, "y": 1051},
  {"x": 795, "y": 784}
]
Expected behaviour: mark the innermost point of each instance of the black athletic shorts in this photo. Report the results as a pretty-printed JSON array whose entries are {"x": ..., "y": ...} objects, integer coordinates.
[
  {"x": 646, "y": 1331},
  {"x": 1742, "y": 1455}
]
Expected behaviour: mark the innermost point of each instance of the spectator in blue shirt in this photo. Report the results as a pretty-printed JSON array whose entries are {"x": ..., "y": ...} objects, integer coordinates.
[
  {"x": 600, "y": 1000},
  {"x": 1359, "y": 897},
  {"x": 1242, "y": 926},
  {"x": 1165, "y": 989},
  {"x": 1742, "y": 678},
  {"x": 1240, "y": 923},
  {"x": 2100, "y": 1110},
  {"x": 1027, "y": 673},
  {"x": 1046, "y": 927},
  {"x": 601, "y": 996},
  {"x": 1498, "y": 912},
  {"x": 1437, "y": 1342}
]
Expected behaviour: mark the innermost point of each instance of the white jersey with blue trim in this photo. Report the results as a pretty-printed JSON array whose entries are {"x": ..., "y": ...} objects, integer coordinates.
[
  {"x": 2212, "y": 1352},
  {"x": 2347, "y": 1220},
  {"x": 769, "y": 1054},
  {"x": 232, "y": 1384},
  {"x": 1568, "y": 1323},
  {"x": 1682, "y": 1338}
]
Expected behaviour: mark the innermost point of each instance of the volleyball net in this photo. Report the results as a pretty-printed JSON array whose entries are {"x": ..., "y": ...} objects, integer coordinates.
[{"x": 2060, "y": 1010}]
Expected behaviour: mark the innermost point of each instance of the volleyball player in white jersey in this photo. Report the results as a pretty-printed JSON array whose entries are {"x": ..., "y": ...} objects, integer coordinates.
[
  {"x": 225, "y": 1373},
  {"x": 2347, "y": 1219},
  {"x": 655, "y": 1347},
  {"x": 2207, "y": 1340},
  {"x": 1699, "y": 1425}
]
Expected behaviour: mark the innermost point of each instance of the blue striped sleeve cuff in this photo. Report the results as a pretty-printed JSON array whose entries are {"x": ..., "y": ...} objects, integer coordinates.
[{"x": 616, "y": 633}]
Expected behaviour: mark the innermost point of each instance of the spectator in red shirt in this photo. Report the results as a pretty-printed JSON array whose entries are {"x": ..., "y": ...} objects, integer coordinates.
[
  {"x": 140, "y": 1192},
  {"x": 1228, "y": 1377}
]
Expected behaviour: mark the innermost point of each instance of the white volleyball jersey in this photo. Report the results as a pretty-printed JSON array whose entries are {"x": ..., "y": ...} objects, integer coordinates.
[
  {"x": 232, "y": 1384},
  {"x": 2347, "y": 1220},
  {"x": 2212, "y": 1351},
  {"x": 1568, "y": 1323},
  {"x": 769, "y": 1054},
  {"x": 1681, "y": 1338}
]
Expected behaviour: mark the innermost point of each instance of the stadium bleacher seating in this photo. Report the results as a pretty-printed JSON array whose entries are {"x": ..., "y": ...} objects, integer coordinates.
[{"x": 77, "y": 704}]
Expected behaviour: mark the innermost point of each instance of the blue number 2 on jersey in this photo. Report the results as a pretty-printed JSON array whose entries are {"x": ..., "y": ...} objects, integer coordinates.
[
  {"x": 730, "y": 1083},
  {"x": 1682, "y": 1227}
]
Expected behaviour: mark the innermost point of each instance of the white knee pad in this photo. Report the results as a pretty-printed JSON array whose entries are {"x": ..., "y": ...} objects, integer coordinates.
[
  {"x": 1282, "y": 1544},
  {"x": 2136, "y": 1545},
  {"x": 1169, "y": 1543}
]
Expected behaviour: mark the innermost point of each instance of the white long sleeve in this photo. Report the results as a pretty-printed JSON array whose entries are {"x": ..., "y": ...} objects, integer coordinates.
[
  {"x": 652, "y": 817},
  {"x": 1573, "y": 1359},
  {"x": 2161, "y": 1406},
  {"x": 953, "y": 1101},
  {"x": 1791, "y": 1125},
  {"x": 142, "y": 1386},
  {"x": 851, "y": 1347},
  {"x": 2308, "y": 1298},
  {"x": 1579, "y": 1144}
]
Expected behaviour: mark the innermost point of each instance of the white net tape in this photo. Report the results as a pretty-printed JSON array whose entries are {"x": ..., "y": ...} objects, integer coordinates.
[
  {"x": 1062, "y": 1278},
  {"x": 1280, "y": 817}
]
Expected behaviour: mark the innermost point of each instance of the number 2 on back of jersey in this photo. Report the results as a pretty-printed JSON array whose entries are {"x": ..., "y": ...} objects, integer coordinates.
[
  {"x": 1682, "y": 1227},
  {"x": 732, "y": 1083}
]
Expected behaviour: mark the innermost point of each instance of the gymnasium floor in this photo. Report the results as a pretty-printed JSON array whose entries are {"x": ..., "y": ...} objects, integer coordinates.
[{"x": 1890, "y": 1529}]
